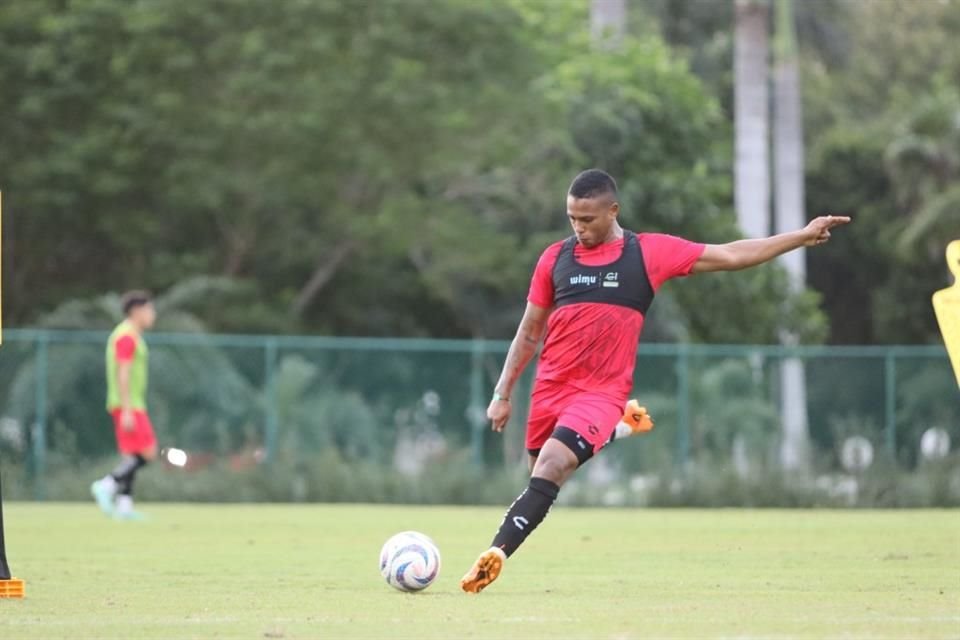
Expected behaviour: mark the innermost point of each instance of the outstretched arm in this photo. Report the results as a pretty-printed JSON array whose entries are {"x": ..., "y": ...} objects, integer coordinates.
[
  {"x": 743, "y": 254},
  {"x": 532, "y": 327}
]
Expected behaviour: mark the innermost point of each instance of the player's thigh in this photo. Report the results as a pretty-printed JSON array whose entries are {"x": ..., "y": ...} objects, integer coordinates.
[
  {"x": 546, "y": 402},
  {"x": 540, "y": 426},
  {"x": 126, "y": 438},
  {"x": 145, "y": 437},
  {"x": 591, "y": 417}
]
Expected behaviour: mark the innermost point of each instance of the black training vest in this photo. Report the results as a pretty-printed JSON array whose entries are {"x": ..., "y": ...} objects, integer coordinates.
[{"x": 623, "y": 282}]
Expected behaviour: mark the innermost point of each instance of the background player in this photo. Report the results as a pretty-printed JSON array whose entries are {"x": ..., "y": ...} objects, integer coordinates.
[
  {"x": 126, "y": 360},
  {"x": 588, "y": 297}
]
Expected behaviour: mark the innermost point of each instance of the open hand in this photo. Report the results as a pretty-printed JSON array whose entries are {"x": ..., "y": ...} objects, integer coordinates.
[{"x": 818, "y": 230}]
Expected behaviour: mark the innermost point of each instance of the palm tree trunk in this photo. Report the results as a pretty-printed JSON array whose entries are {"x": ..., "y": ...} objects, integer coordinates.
[
  {"x": 788, "y": 140},
  {"x": 751, "y": 168},
  {"x": 788, "y": 215}
]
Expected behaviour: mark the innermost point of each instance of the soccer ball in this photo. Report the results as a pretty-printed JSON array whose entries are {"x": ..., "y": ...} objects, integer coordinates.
[{"x": 409, "y": 561}]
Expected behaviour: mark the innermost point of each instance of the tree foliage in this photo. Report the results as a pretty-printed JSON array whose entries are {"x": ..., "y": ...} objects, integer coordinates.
[
  {"x": 375, "y": 168},
  {"x": 886, "y": 151},
  {"x": 879, "y": 99}
]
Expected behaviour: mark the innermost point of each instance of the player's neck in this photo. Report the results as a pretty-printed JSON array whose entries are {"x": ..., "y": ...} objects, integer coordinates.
[
  {"x": 134, "y": 326},
  {"x": 616, "y": 233}
]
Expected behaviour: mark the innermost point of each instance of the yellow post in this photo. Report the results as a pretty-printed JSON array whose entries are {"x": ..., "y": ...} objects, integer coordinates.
[{"x": 946, "y": 304}]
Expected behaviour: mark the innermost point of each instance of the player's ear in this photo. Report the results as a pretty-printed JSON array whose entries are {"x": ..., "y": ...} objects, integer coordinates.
[{"x": 615, "y": 208}]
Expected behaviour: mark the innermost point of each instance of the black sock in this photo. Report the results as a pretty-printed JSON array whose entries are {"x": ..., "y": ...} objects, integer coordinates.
[
  {"x": 125, "y": 486},
  {"x": 127, "y": 468},
  {"x": 526, "y": 512}
]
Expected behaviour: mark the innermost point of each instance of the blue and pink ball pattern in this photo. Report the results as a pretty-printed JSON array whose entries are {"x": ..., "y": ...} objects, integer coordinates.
[{"x": 409, "y": 561}]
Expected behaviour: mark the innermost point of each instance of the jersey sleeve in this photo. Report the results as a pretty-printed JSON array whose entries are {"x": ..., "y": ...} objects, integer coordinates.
[
  {"x": 541, "y": 284},
  {"x": 124, "y": 348},
  {"x": 667, "y": 256}
]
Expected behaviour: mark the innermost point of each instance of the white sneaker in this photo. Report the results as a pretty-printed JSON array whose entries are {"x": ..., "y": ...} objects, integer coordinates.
[
  {"x": 125, "y": 511},
  {"x": 103, "y": 492}
]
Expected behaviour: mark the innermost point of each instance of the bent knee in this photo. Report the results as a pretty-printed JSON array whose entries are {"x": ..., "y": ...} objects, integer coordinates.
[{"x": 555, "y": 466}]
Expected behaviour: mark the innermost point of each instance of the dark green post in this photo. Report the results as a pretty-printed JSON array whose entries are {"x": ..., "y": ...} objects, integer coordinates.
[
  {"x": 269, "y": 365},
  {"x": 683, "y": 406},
  {"x": 476, "y": 402},
  {"x": 890, "y": 398},
  {"x": 39, "y": 439}
]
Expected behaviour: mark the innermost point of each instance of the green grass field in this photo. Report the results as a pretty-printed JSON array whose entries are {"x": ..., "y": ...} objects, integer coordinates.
[{"x": 310, "y": 572}]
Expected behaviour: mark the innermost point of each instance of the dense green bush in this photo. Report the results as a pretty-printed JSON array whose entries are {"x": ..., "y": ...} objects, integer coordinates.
[
  {"x": 883, "y": 486},
  {"x": 329, "y": 478}
]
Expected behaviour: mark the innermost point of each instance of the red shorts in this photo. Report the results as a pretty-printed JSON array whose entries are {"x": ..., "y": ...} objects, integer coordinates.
[
  {"x": 138, "y": 439},
  {"x": 594, "y": 416}
]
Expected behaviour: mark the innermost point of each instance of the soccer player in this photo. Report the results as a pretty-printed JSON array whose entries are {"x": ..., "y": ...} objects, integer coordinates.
[
  {"x": 588, "y": 298},
  {"x": 127, "y": 404}
]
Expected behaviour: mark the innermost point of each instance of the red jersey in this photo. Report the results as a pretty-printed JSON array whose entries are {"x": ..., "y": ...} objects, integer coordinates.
[{"x": 592, "y": 346}]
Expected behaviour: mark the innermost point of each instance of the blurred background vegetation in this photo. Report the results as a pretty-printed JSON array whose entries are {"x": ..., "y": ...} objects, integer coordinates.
[{"x": 394, "y": 167}]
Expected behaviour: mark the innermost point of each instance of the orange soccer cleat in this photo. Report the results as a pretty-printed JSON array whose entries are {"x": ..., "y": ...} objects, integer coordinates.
[
  {"x": 485, "y": 570},
  {"x": 637, "y": 418}
]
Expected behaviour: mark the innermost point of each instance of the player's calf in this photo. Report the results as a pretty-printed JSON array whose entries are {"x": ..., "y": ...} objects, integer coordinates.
[{"x": 525, "y": 514}]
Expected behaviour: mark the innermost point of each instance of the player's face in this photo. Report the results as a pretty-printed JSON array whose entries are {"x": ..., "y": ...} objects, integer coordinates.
[
  {"x": 592, "y": 219},
  {"x": 145, "y": 315}
]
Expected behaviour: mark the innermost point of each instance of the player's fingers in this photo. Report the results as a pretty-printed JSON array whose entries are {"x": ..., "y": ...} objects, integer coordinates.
[{"x": 835, "y": 221}]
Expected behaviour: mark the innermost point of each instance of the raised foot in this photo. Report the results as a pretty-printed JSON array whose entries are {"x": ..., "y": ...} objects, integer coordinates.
[{"x": 637, "y": 418}]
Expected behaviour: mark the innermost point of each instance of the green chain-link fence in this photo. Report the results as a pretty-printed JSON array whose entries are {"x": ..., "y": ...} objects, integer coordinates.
[{"x": 240, "y": 402}]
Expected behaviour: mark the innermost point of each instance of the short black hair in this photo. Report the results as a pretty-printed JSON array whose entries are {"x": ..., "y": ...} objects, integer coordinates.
[
  {"x": 593, "y": 183},
  {"x": 133, "y": 299}
]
